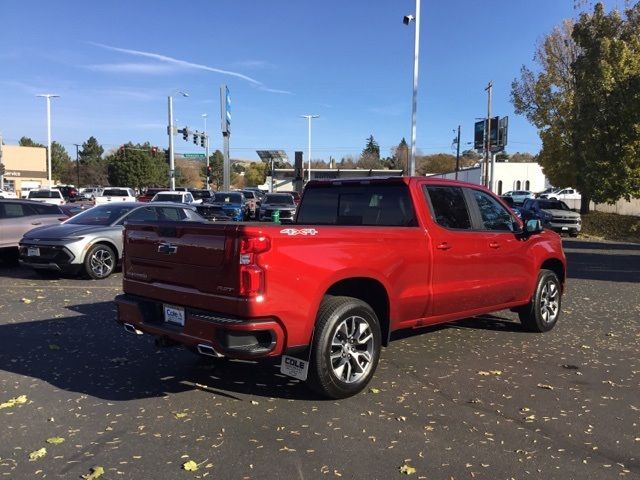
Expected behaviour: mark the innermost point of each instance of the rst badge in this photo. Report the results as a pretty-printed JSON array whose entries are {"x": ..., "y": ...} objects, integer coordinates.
[
  {"x": 299, "y": 231},
  {"x": 294, "y": 367}
]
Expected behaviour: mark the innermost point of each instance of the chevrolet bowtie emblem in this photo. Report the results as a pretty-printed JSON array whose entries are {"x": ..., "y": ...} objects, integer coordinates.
[{"x": 168, "y": 248}]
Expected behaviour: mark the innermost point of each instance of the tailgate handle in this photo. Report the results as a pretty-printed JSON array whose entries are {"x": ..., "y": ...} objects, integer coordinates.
[{"x": 168, "y": 248}]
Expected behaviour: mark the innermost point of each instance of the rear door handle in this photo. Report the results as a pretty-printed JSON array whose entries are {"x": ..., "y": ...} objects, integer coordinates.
[
  {"x": 36, "y": 223},
  {"x": 443, "y": 246},
  {"x": 494, "y": 245}
]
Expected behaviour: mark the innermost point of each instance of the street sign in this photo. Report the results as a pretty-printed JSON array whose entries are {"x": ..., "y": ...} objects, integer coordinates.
[{"x": 193, "y": 155}]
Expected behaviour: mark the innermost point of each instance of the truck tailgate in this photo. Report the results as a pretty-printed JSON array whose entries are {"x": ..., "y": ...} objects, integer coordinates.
[{"x": 192, "y": 256}]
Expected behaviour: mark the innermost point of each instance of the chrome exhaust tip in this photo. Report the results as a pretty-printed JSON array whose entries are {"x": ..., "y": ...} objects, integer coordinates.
[
  {"x": 131, "y": 329},
  {"x": 208, "y": 351}
]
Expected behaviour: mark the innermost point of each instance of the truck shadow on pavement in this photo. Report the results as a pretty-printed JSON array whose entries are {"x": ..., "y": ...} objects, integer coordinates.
[
  {"x": 603, "y": 266},
  {"x": 89, "y": 353}
]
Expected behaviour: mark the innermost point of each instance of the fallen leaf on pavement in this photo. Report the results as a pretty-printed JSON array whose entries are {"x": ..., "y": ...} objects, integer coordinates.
[
  {"x": 407, "y": 469},
  {"x": 546, "y": 387},
  {"x": 36, "y": 454},
  {"x": 190, "y": 466},
  {"x": 374, "y": 390},
  {"x": 96, "y": 472},
  {"x": 55, "y": 440},
  {"x": 26, "y": 300},
  {"x": 14, "y": 401}
]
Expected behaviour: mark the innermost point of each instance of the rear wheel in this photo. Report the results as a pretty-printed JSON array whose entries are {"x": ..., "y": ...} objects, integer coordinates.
[
  {"x": 542, "y": 312},
  {"x": 345, "y": 348},
  {"x": 100, "y": 261}
]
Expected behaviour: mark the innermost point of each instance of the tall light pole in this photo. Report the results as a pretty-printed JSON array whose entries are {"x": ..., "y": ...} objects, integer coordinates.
[
  {"x": 308, "y": 117},
  {"x": 48, "y": 96},
  {"x": 407, "y": 20},
  {"x": 171, "y": 133},
  {"x": 206, "y": 146}
]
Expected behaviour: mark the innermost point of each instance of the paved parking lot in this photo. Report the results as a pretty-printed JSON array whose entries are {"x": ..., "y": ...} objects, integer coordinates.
[{"x": 477, "y": 399}]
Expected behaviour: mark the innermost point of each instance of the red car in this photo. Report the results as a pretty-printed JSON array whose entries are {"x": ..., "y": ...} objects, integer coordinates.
[{"x": 363, "y": 258}]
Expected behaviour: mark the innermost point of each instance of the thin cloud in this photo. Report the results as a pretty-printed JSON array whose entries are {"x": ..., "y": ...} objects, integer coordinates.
[
  {"x": 140, "y": 68},
  {"x": 255, "y": 64},
  {"x": 275, "y": 90},
  {"x": 175, "y": 61}
]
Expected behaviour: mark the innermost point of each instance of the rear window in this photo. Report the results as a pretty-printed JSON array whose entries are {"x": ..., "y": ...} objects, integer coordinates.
[
  {"x": 227, "y": 197},
  {"x": 115, "y": 192},
  {"x": 45, "y": 194},
  {"x": 201, "y": 194},
  {"x": 282, "y": 199},
  {"x": 249, "y": 195},
  {"x": 46, "y": 209},
  {"x": 168, "y": 197},
  {"x": 373, "y": 205}
]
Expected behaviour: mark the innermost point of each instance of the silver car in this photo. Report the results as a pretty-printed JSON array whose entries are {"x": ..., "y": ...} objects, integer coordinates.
[{"x": 91, "y": 242}]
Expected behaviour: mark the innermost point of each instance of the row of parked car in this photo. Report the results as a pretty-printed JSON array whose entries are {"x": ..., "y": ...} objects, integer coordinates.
[
  {"x": 74, "y": 239},
  {"x": 554, "y": 214}
]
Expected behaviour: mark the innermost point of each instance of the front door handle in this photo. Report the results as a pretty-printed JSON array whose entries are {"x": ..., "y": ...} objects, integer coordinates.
[
  {"x": 443, "y": 246},
  {"x": 36, "y": 223},
  {"x": 494, "y": 245}
]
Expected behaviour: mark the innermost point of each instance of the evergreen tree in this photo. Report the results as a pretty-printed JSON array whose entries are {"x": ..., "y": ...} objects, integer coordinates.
[
  {"x": 27, "y": 142},
  {"x": 134, "y": 165},
  {"x": 370, "y": 157},
  {"x": 93, "y": 168}
]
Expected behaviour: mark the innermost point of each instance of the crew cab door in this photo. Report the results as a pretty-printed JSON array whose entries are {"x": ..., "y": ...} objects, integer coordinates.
[
  {"x": 502, "y": 253},
  {"x": 459, "y": 280}
]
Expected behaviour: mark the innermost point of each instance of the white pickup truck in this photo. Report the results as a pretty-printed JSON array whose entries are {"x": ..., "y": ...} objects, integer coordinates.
[{"x": 116, "y": 194}]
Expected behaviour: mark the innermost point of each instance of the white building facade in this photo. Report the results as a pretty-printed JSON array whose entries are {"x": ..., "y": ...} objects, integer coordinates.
[{"x": 506, "y": 177}]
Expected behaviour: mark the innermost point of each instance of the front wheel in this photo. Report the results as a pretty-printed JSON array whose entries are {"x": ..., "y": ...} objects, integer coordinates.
[
  {"x": 542, "y": 312},
  {"x": 100, "y": 261},
  {"x": 345, "y": 348}
]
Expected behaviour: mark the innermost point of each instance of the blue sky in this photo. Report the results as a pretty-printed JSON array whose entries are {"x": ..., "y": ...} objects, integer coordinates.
[{"x": 114, "y": 63}]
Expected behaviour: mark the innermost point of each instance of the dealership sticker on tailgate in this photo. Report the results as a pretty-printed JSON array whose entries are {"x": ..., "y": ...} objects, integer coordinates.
[{"x": 294, "y": 367}]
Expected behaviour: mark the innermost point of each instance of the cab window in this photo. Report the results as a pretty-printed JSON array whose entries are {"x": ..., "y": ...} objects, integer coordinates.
[
  {"x": 448, "y": 206},
  {"x": 493, "y": 215}
]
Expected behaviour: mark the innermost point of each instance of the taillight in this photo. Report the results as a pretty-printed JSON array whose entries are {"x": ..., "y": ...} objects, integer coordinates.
[{"x": 251, "y": 274}]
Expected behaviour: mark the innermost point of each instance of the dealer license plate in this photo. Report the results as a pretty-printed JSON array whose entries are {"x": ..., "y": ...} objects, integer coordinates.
[
  {"x": 294, "y": 367},
  {"x": 33, "y": 252},
  {"x": 174, "y": 315}
]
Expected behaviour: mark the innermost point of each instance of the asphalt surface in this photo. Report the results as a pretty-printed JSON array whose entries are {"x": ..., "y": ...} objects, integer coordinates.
[{"x": 477, "y": 399}]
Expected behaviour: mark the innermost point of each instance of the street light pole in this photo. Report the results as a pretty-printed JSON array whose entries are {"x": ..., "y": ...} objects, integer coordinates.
[
  {"x": 308, "y": 117},
  {"x": 171, "y": 133},
  {"x": 48, "y": 96},
  {"x": 77, "y": 163},
  {"x": 206, "y": 147},
  {"x": 414, "y": 106}
]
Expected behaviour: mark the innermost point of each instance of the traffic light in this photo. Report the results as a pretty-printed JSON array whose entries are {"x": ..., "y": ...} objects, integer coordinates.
[
  {"x": 167, "y": 157},
  {"x": 195, "y": 139},
  {"x": 185, "y": 134},
  {"x": 202, "y": 138},
  {"x": 209, "y": 170},
  {"x": 154, "y": 150}
]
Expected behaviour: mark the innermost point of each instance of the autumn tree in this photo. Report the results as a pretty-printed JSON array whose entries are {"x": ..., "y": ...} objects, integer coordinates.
[{"x": 585, "y": 103}]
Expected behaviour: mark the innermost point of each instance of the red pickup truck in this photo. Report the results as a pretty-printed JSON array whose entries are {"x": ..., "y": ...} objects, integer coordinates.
[{"x": 365, "y": 257}]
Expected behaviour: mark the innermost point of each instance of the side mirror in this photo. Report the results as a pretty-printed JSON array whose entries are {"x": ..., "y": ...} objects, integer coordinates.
[{"x": 533, "y": 226}]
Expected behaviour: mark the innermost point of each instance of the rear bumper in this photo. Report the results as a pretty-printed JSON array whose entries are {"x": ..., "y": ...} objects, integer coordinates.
[{"x": 228, "y": 336}]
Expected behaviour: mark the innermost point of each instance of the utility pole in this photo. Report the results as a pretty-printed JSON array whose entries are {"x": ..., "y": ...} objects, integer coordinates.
[
  {"x": 487, "y": 150},
  {"x": 172, "y": 176},
  {"x": 77, "y": 163},
  {"x": 414, "y": 105},
  {"x": 206, "y": 148},
  {"x": 2, "y": 172},
  {"x": 458, "y": 153},
  {"x": 48, "y": 97}
]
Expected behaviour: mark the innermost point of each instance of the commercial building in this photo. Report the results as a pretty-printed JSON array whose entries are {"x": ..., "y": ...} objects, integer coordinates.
[
  {"x": 25, "y": 168},
  {"x": 506, "y": 177}
]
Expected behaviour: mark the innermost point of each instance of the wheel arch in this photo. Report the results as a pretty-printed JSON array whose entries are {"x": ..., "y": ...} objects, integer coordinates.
[
  {"x": 370, "y": 291},
  {"x": 105, "y": 242},
  {"x": 556, "y": 266}
]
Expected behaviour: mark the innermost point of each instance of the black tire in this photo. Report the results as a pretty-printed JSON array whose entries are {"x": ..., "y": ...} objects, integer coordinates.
[
  {"x": 333, "y": 366},
  {"x": 543, "y": 311},
  {"x": 100, "y": 261},
  {"x": 573, "y": 234}
]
